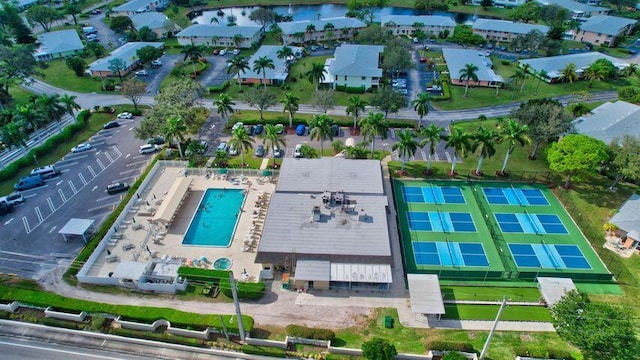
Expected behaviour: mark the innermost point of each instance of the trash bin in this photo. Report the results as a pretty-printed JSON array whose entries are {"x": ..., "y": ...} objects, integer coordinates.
[{"x": 388, "y": 322}]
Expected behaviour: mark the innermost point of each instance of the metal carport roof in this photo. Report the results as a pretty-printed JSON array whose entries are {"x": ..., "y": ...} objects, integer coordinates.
[{"x": 425, "y": 295}]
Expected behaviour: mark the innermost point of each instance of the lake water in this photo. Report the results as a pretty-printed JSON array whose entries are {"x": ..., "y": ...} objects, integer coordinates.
[{"x": 308, "y": 12}]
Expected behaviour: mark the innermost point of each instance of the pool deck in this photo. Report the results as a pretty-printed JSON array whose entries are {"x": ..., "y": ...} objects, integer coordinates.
[{"x": 140, "y": 240}]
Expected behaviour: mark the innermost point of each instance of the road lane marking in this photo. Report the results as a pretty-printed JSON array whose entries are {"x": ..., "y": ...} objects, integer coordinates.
[
  {"x": 98, "y": 152},
  {"x": 8, "y": 221},
  {"x": 53, "y": 228},
  {"x": 49, "y": 348},
  {"x": 61, "y": 166},
  {"x": 104, "y": 198},
  {"x": 127, "y": 156},
  {"x": 94, "y": 188}
]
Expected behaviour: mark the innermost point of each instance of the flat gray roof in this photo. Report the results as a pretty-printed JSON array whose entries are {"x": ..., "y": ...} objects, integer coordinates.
[
  {"x": 130, "y": 270},
  {"x": 553, "y": 65},
  {"x": 553, "y": 289},
  {"x": 426, "y": 20},
  {"x": 211, "y": 30},
  {"x": 457, "y": 59},
  {"x": 76, "y": 227},
  {"x": 126, "y": 52},
  {"x": 365, "y": 273},
  {"x": 424, "y": 294},
  {"x": 628, "y": 216},
  {"x": 280, "y": 71},
  {"x": 356, "y": 60},
  {"x": 610, "y": 25},
  {"x": 609, "y": 121},
  {"x": 339, "y": 23},
  {"x": 313, "y": 270},
  {"x": 508, "y": 26},
  {"x": 330, "y": 174}
]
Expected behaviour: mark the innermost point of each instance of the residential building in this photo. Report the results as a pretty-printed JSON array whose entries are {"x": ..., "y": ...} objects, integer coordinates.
[
  {"x": 216, "y": 35},
  {"x": 327, "y": 225},
  {"x": 139, "y": 6},
  {"x": 578, "y": 10},
  {"x": 157, "y": 22},
  {"x": 407, "y": 24},
  {"x": 319, "y": 30},
  {"x": 58, "y": 44},
  {"x": 457, "y": 59},
  {"x": 627, "y": 219},
  {"x": 275, "y": 76},
  {"x": 354, "y": 66},
  {"x": 603, "y": 30},
  {"x": 25, "y": 4},
  {"x": 610, "y": 121},
  {"x": 503, "y": 3},
  {"x": 591, "y": 2},
  {"x": 554, "y": 65},
  {"x": 503, "y": 30},
  {"x": 127, "y": 53}
]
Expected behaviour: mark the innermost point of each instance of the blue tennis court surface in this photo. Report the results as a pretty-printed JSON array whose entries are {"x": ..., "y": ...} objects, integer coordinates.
[
  {"x": 549, "y": 256},
  {"x": 531, "y": 223},
  {"x": 449, "y": 254},
  {"x": 432, "y": 195},
  {"x": 514, "y": 196},
  {"x": 440, "y": 221}
]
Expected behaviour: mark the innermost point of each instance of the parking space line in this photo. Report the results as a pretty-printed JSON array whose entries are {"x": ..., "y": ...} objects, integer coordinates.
[
  {"x": 424, "y": 155},
  {"x": 108, "y": 156},
  {"x": 25, "y": 222},
  {"x": 64, "y": 198},
  {"x": 74, "y": 157},
  {"x": 39, "y": 213},
  {"x": 128, "y": 171},
  {"x": 116, "y": 150},
  {"x": 91, "y": 170},
  {"x": 100, "y": 164},
  {"x": 73, "y": 187},
  {"x": 448, "y": 156},
  {"x": 103, "y": 206},
  {"x": 9, "y": 221},
  {"x": 436, "y": 157},
  {"x": 30, "y": 196},
  {"x": 84, "y": 182},
  {"x": 53, "y": 208},
  {"x": 62, "y": 166},
  {"x": 136, "y": 163}
]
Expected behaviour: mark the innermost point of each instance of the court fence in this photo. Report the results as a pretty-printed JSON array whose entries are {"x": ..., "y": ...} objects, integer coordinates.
[
  {"x": 596, "y": 237},
  {"x": 524, "y": 176}
]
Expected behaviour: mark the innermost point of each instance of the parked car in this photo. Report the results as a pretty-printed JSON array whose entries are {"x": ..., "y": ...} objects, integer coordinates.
[
  {"x": 237, "y": 125},
  {"x": 125, "y": 115},
  {"x": 156, "y": 63},
  {"x": 250, "y": 129},
  {"x": 148, "y": 149},
  {"x": 301, "y": 129},
  {"x": 12, "y": 199},
  {"x": 314, "y": 47},
  {"x": 235, "y": 51},
  {"x": 80, "y": 148},
  {"x": 95, "y": 12},
  {"x": 277, "y": 152},
  {"x": 91, "y": 36},
  {"x": 297, "y": 153},
  {"x": 233, "y": 151},
  {"x": 335, "y": 129},
  {"x": 28, "y": 182},
  {"x": 46, "y": 172},
  {"x": 223, "y": 52},
  {"x": 223, "y": 147},
  {"x": 259, "y": 151},
  {"x": 142, "y": 73},
  {"x": 216, "y": 51},
  {"x": 117, "y": 188},
  {"x": 259, "y": 129},
  {"x": 95, "y": 39},
  {"x": 158, "y": 140},
  {"x": 5, "y": 208},
  {"x": 111, "y": 125}
]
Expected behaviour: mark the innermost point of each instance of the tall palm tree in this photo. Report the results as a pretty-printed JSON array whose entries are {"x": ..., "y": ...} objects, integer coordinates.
[
  {"x": 308, "y": 152},
  {"x": 242, "y": 141},
  {"x": 69, "y": 103},
  {"x": 237, "y": 65},
  {"x": 285, "y": 53},
  {"x": 406, "y": 146},
  {"x": 174, "y": 131},
  {"x": 421, "y": 106},
  {"x": 373, "y": 126},
  {"x": 272, "y": 139},
  {"x": 51, "y": 107},
  {"x": 290, "y": 103},
  {"x": 517, "y": 77},
  {"x": 224, "y": 105},
  {"x": 630, "y": 70},
  {"x": 13, "y": 135},
  {"x": 355, "y": 108},
  {"x": 432, "y": 136},
  {"x": 193, "y": 52},
  {"x": 512, "y": 133},
  {"x": 31, "y": 115},
  {"x": 316, "y": 73},
  {"x": 525, "y": 72},
  {"x": 237, "y": 40},
  {"x": 321, "y": 129},
  {"x": 460, "y": 142},
  {"x": 310, "y": 30},
  {"x": 484, "y": 142},
  {"x": 468, "y": 73},
  {"x": 568, "y": 74},
  {"x": 260, "y": 65},
  {"x": 542, "y": 74}
]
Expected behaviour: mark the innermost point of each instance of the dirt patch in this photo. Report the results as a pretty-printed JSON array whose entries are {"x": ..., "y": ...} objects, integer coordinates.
[{"x": 526, "y": 337}]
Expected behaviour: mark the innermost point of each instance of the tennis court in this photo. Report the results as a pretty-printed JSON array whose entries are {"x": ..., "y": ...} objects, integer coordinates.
[
  {"x": 514, "y": 196},
  {"x": 440, "y": 221},
  {"x": 549, "y": 256},
  {"x": 433, "y": 195},
  {"x": 449, "y": 254},
  {"x": 531, "y": 223}
]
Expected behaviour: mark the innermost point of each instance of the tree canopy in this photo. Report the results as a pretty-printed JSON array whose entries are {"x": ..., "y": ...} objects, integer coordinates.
[
  {"x": 626, "y": 158},
  {"x": 547, "y": 119},
  {"x": 388, "y": 100},
  {"x": 148, "y": 53},
  {"x": 121, "y": 23},
  {"x": 43, "y": 15},
  {"x": 378, "y": 349},
  {"x": 575, "y": 154}
]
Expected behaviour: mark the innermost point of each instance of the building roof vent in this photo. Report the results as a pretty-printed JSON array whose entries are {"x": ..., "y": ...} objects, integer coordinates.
[{"x": 316, "y": 213}]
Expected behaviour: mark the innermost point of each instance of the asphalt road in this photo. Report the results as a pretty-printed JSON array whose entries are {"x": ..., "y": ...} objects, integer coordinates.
[{"x": 30, "y": 241}]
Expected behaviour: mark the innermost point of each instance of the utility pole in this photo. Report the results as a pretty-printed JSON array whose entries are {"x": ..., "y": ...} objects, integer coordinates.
[
  {"x": 493, "y": 328},
  {"x": 237, "y": 305}
]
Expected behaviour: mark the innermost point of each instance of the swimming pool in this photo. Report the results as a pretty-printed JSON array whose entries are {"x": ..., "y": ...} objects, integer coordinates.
[{"x": 214, "y": 222}]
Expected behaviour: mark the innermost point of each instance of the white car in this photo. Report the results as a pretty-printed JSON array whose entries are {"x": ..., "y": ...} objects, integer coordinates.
[
  {"x": 223, "y": 52},
  {"x": 297, "y": 153},
  {"x": 235, "y": 51},
  {"x": 81, "y": 147},
  {"x": 125, "y": 115},
  {"x": 142, "y": 73},
  {"x": 156, "y": 63},
  {"x": 233, "y": 151},
  {"x": 237, "y": 125}
]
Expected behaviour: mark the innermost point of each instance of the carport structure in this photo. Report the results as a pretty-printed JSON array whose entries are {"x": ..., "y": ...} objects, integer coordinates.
[
  {"x": 425, "y": 295},
  {"x": 553, "y": 289},
  {"x": 78, "y": 227}
]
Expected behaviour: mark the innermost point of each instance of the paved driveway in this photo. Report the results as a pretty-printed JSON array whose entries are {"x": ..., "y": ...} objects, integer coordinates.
[
  {"x": 108, "y": 38},
  {"x": 157, "y": 74},
  {"x": 217, "y": 72}
]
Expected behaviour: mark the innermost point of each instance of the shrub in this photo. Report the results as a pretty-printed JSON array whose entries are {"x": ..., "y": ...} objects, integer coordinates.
[
  {"x": 355, "y": 90},
  {"x": 159, "y": 337},
  {"x": 191, "y": 273},
  {"x": 263, "y": 350},
  {"x": 219, "y": 88},
  {"x": 245, "y": 290},
  {"x": 453, "y": 355},
  {"x": 446, "y": 93},
  {"x": 310, "y": 333},
  {"x": 449, "y": 346},
  {"x": 97, "y": 321},
  {"x": 136, "y": 112},
  {"x": 62, "y": 323},
  {"x": 542, "y": 352},
  {"x": 505, "y": 62}
]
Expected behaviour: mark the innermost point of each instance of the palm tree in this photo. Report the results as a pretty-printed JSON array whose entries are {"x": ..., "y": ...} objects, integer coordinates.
[
  {"x": 484, "y": 141},
  {"x": 242, "y": 141},
  {"x": 310, "y": 30},
  {"x": 511, "y": 132},
  {"x": 542, "y": 74},
  {"x": 308, "y": 152},
  {"x": 191, "y": 51},
  {"x": 51, "y": 107},
  {"x": 30, "y": 115},
  {"x": 517, "y": 77},
  {"x": 468, "y": 73},
  {"x": 260, "y": 65},
  {"x": 421, "y": 106},
  {"x": 406, "y": 146},
  {"x": 285, "y": 53},
  {"x": 432, "y": 136},
  {"x": 69, "y": 103},
  {"x": 630, "y": 70},
  {"x": 290, "y": 103},
  {"x": 316, "y": 73},
  {"x": 237, "y": 65},
  {"x": 13, "y": 135},
  {"x": 568, "y": 74},
  {"x": 525, "y": 71},
  {"x": 237, "y": 40},
  {"x": 224, "y": 105},
  {"x": 355, "y": 108},
  {"x": 373, "y": 126},
  {"x": 272, "y": 139},
  {"x": 460, "y": 142},
  {"x": 175, "y": 130},
  {"x": 321, "y": 129}
]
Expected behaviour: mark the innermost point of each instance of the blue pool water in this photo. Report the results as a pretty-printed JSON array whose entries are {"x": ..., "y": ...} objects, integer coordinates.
[{"x": 214, "y": 222}]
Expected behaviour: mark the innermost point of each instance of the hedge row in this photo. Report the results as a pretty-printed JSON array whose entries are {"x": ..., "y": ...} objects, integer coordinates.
[
  {"x": 351, "y": 89},
  {"x": 159, "y": 337},
  {"x": 449, "y": 346},
  {"x": 46, "y": 148},
  {"x": 310, "y": 333},
  {"x": 62, "y": 323},
  {"x": 246, "y": 290},
  {"x": 343, "y": 122},
  {"x": 199, "y": 274},
  {"x": 264, "y": 351},
  {"x": 446, "y": 93},
  {"x": 219, "y": 88},
  {"x": 543, "y": 353}
]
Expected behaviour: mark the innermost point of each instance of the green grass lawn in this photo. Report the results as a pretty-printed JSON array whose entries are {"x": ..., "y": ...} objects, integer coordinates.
[
  {"x": 489, "y": 312},
  {"x": 490, "y": 293},
  {"x": 59, "y": 75}
]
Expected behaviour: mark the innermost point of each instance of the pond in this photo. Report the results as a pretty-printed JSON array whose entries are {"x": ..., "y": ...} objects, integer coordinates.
[{"x": 240, "y": 15}]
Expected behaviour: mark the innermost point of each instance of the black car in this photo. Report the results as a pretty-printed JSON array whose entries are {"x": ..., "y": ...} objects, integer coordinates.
[
  {"x": 117, "y": 188},
  {"x": 260, "y": 151},
  {"x": 5, "y": 208},
  {"x": 259, "y": 129},
  {"x": 250, "y": 130},
  {"x": 335, "y": 129},
  {"x": 111, "y": 125}
]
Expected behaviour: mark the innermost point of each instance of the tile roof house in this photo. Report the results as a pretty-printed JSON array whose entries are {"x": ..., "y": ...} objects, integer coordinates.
[
  {"x": 627, "y": 219},
  {"x": 139, "y": 6},
  {"x": 217, "y": 35},
  {"x": 578, "y": 10},
  {"x": 554, "y": 65},
  {"x": 58, "y": 44},
  {"x": 274, "y": 76},
  {"x": 457, "y": 59},
  {"x": 157, "y": 22},
  {"x": 354, "y": 66},
  {"x": 127, "y": 53},
  {"x": 503, "y": 3},
  {"x": 324, "y": 29},
  {"x": 603, "y": 30},
  {"x": 405, "y": 24},
  {"x": 610, "y": 121},
  {"x": 503, "y": 30}
]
